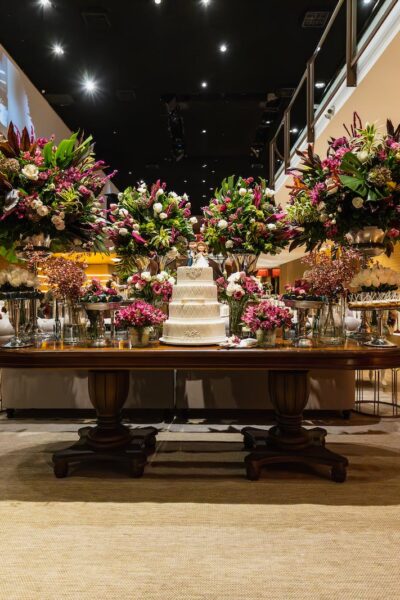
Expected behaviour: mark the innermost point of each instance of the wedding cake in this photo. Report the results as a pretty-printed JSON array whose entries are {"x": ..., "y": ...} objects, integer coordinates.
[{"x": 194, "y": 310}]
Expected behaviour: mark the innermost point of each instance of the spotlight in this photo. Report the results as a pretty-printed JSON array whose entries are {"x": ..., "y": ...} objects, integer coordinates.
[
  {"x": 203, "y": 181},
  {"x": 204, "y": 131},
  {"x": 205, "y": 2},
  {"x": 204, "y": 166},
  {"x": 294, "y": 130},
  {"x": 366, "y": 2},
  {"x": 44, "y": 3},
  {"x": 89, "y": 85},
  {"x": 223, "y": 48},
  {"x": 58, "y": 50},
  {"x": 204, "y": 84},
  {"x": 319, "y": 85},
  {"x": 157, "y": 1}
]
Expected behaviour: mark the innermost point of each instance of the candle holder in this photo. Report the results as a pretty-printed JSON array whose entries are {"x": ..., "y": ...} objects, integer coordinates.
[{"x": 378, "y": 302}]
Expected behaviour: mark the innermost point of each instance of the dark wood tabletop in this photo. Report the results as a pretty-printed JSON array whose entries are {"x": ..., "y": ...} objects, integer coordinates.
[{"x": 51, "y": 355}]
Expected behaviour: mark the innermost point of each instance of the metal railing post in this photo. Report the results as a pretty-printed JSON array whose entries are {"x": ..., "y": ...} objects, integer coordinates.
[
  {"x": 286, "y": 138},
  {"x": 310, "y": 102},
  {"x": 272, "y": 163},
  {"x": 351, "y": 42}
]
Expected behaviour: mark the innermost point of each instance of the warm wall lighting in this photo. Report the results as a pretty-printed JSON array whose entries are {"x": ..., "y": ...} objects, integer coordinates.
[{"x": 276, "y": 272}]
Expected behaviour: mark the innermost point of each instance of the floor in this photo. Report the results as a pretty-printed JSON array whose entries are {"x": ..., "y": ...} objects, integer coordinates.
[{"x": 193, "y": 527}]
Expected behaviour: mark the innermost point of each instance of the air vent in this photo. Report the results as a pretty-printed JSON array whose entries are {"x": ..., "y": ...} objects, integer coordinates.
[
  {"x": 96, "y": 20},
  {"x": 315, "y": 19},
  {"x": 59, "y": 99},
  {"x": 126, "y": 95}
]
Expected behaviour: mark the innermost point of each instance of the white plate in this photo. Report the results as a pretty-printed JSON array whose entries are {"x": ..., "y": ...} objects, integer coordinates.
[{"x": 164, "y": 341}]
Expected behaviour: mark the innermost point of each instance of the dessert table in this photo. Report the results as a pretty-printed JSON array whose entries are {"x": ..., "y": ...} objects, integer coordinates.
[{"x": 288, "y": 370}]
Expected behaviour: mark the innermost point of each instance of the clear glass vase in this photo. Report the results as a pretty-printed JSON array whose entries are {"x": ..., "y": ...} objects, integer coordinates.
[
  {"x": 266, "y": 338},
  {"x": 236, "y": 310},
  {"x": 331, "y": 323},
  {"x": 140, "y": 337},
  {"x": 18, "y": 310},
  {"x": 73, "y": 323}
]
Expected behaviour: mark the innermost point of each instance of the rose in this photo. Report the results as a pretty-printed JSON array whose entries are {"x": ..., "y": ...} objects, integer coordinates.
[
  {"x": 163, "y": 216},
  {"x": 271, "y": 226},
  {"x": 193, "y": 220},
  {"x": 222, "y": 224},
  {"x": 268, "y": 193},
  {"x": 157, "y": 207},
  {"x": 242, "y": 192},
  {"x": 146, "y": 276},
  {"x": 362, "y": 156},
  {"x": 42, "y": 210},
  {"x": 159, "y": 192},
  {"x": 229, "y": 244},
  {"x": 123, "y": 231},
  {"x": 31, "y": 171}
]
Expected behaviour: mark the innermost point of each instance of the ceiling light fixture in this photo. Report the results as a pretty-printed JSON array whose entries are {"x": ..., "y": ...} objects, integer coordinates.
[
  {"x": 44, "y": 3},
  {"x": 223, "y": 48},
  {"x": 204, "y": 166},
  {"x": 157, "y": 1},
  {"x": 367, "y": 2},
  {"x": 320, "y": 84},
  {"x": 89, "y": 85},
  {"x": 204, "y": 131},
  {"x": 205, "y": 2},
  {"x": 204, "y": 84},
  {"x": 58, "y": 50},
  {"x": 203, "y": 181},
  {"x": 294, "y": 130}
]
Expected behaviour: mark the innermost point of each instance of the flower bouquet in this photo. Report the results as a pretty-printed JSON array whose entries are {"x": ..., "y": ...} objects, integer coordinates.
[
  {"x": 49, "y": 194},
  {"x": 149, "y": 223},
  {"x": 96, "y": 294},
  {"x": 375, "y": 278},
  {"x": 154, "y": 289},
  {"x": 17, "y": 282},
  {"x": 357, "y": 186},
  {"x": 238, "y": 290},
  {"x": 242, "y": 218},
  {"x": 139, "y": 318},
  {"x": 264, "y": 319}
]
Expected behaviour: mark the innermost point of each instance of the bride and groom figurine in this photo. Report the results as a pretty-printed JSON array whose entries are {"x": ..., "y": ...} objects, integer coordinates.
[{"x": 198, "y": 253}]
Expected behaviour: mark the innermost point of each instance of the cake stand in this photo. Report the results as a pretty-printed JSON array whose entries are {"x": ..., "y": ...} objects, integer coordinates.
[{"x": 379, "y": 302}]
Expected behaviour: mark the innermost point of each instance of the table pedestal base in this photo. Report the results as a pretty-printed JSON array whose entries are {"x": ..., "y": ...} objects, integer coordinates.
[
  {"x": 288, "y": 441},
  {"x": 134, "y": 454},
  {"x": 110, "y": 439}
]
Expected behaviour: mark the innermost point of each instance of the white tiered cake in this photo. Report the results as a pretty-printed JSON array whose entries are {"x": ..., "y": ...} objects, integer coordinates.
[{"x": 194, "y": 311}]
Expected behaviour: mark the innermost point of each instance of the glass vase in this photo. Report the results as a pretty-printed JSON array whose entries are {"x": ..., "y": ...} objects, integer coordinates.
[
  {"x": 74, "y": 323},
  {"x": 140, "y": 336},
  {"x": 18, "y": 309},
  {"x": 331, "y": 323},
  {"x": 266, "y": 338},
  {"x": 236, "y": 309},
  {"x": 97, "y": 329}
]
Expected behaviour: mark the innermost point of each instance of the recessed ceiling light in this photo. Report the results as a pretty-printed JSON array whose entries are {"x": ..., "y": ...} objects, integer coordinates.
[
  {"x": 204, "y": 196},
  {"x": 129, "y": 172},
  {"x": 204, "y": 131},
  {"x": 211, "y": 189},
  {"x": 58, "y": 50},
  {"x": 89, "y": 85},
  {"x": 367, "y": 1},
  {"x": 44, "y": 3},
  {"x": 203, "y": 181},
  {"x": 213, "y": 172},
  {"x": 319, "y": 85},
  {"x": 157, "y": 1},
  {"x": 223, "y": 48},
  {"x": 294, "y": 130},
  {"x": 205, "y": 2},
  {"x": 115, "y": 132},
  {"x": 204, "y": 166},
  {"x": 185, "y": 181},
  {"x": 204, "y": 84}
]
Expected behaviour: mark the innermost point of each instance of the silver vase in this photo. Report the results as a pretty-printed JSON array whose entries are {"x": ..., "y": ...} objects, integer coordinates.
[{"x": 368, "y": 240}]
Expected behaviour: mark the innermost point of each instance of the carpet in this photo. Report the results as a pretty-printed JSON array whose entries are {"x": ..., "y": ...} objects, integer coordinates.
[{"x": 194, "y": 529}]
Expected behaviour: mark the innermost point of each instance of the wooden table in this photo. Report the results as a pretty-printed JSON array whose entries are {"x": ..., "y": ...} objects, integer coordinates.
[{"x": 288, "y": 370}]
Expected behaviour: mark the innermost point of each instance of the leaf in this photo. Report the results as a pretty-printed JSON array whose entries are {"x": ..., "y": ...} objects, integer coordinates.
[
  {"x": 48, "y": 154},
  {"x": 354, "y": 183},
  {"x": 13, "y": 139},
  {"x": 351, "y": 164},
  {"x": 25, "y": 140}
]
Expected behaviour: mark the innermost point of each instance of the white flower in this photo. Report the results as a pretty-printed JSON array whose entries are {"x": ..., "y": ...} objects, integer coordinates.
[
  {"x": 157, "y": 207},
  {"x": 185, "y": 197},
  {"x": 42, "y": 211},
  {"x": 60, "y": 225},
  {"x": 120, "y": 196},
  {"x": 173, "y": 195},
  {"x": 159, "y": 192},
  {"x": 268, "y": 193},
  {"x": 202, "y": 228},
  {"x": 323, "y": 217},
  {"x": 357, "y": 202},
  {"x": 146, "y": 276},
  {"x": 31, "y": 172},
  {"x": 362, "y": 156},
  {"x": 77, "y": 242},
  {"x": 139, "y": 286},
  {"x": 193, "y": 220},
  {"x": 229, "y": 244},
  {"x": 271, "y": 226},
  {"x": 142, "y": 190},
  {"x": 222, "y": 224},
  {"x": 234, "y": 277},
  {"x": 320, "y": 206},
  {"x": 232, "y": 288},
  {"x": 252, "y": 220},
  {"x": 163, "y": 216},
  {"x": 123, "y": 231},
  {"x": 171, "y": 280},
  {"x": 242, "y": 192},
  {"x": 164, "y": 275},
  {"x": 160, "y": 277},
  {"x": 123, "y": 212}
]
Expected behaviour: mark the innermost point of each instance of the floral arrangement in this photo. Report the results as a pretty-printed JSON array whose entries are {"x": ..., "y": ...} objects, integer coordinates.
[
  {"x": 329, "y": 276},
  {"x": 152, "y": 288},
  {"x": 301, "y": 289},
  {"x": 355, "y": 186},
  {"x": 150, "y": 221},
  {"x": 238, "y": 287},
  {"x": 95, "y": 293},
  {"x": 139, "y": 314},
  {"x": 266, "y": 316},
  {"x": 50, "y": 191},
  {"x": 243, "y": 217},
  {"x": 18, "y": 278},
  {"x": 65, "y": 277},
  {"x": 375, "y": 279}
]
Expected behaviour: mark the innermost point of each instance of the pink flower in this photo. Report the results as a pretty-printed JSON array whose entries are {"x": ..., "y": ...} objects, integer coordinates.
[{"x": 393, "y": 233}]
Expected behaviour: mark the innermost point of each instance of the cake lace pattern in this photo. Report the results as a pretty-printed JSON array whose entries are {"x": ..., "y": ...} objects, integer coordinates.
[
  {"x": 191, "y": 333},
  {"x": 193, "y": 272}
]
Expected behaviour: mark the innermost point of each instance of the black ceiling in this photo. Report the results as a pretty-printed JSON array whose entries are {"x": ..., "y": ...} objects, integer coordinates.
[{"x": 149, "y": 59}]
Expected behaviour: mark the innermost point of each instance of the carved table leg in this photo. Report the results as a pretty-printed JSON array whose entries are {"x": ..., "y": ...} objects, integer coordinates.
[
  {"x": 288, "y": 441},
  {"x": 109, "y": 440}
]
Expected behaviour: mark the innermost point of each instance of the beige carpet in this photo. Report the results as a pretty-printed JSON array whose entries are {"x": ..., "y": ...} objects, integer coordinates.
[{"x": 193, "y": 528}]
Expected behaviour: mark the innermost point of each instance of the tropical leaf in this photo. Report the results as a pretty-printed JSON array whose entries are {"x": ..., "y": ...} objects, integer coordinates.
[
  {"x": 351, "y": 164},
  {"x": 13, "y": 139},
  {"x": 25, "y": 142},
  {"x": 48, "y": 154},
  {"x": 355, "y": 184}
]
